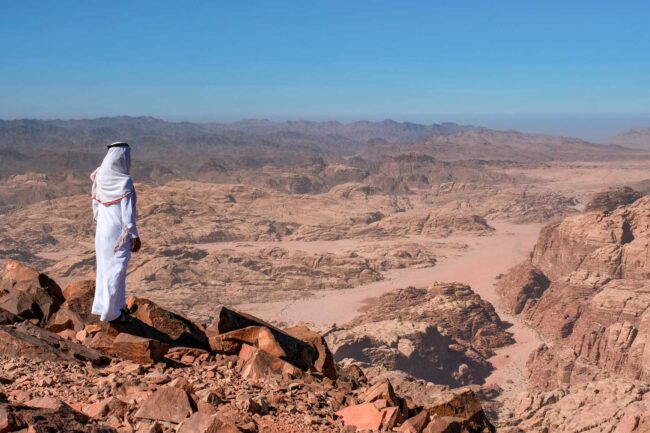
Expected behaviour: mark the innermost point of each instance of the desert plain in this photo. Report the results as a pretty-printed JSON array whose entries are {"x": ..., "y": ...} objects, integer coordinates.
[{"x": 454, "y": 257}]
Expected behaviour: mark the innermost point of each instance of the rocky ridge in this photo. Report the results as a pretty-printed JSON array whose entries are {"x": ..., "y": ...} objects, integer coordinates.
[{"x": 61, "y": 370}]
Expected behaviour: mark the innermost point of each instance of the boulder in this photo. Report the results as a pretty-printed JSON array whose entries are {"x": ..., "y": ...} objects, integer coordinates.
[
  {"x": 297, "y": 352},
  {"x": 25, "y": 339},
  {"x": 169, "y": 404},
  {"x": 65, "y": 319},
  {"x": 104, "y": 407},
  {"x": 391, "y": 416},
  {"x": 521, "y": 287},
  {"x": 18, "y": 276},
  {"x": 324, "y": 362},
  {"x": 261, "y": 337},
  {"x": 79, "y": 295},
  {"x": 445, "y": 424},
  {"x": 361, "y": 416},
  {"x": 168, "y": 327},
  {"x": 204, "y": 423},
  {"x": 32, "y": 303},
  {"x": 61, "y": 418},
  {"x": 138, "y": 349},
  {"x": 464, "y": 404},
  {"x": 75, "y": 312},
  {"x": 29, "y": 294},
  {"x": 258, "y": 364},
  {"x": 415, "y": 424},
  {"x": 381, "y": 390}
]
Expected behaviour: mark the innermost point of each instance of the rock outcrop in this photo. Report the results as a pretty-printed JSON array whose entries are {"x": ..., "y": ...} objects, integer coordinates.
[
  {"x": 585, "y": 288},
  {"x": 163, "y": 373},
  {"x": 608, "y": 405},
  {"x": 443, "y": 334}
]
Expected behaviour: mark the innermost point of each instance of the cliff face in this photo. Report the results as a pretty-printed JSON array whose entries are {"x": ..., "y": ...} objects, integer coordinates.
[
  {"x": 586, "y": 286},
  {"x": 586, "y": 289}
]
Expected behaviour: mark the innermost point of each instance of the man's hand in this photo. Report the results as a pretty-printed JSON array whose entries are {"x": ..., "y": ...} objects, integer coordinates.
[{"x": 135, "y": 245}]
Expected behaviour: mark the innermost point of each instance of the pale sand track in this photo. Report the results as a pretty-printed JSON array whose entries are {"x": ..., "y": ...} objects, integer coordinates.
[{"x": 478, "y": 266}]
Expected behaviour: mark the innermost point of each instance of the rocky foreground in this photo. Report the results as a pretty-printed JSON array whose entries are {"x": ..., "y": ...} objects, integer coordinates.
[
  {"x": 62, "y": 371},
  {"x": 586, "y": 289}
]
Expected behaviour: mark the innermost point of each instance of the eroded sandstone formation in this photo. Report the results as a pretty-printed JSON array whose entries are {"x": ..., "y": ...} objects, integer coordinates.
[
  {"x": 586, "y": 286},
  {"x": 586, "y": 289},
  {"x": 443, "y": 334}
]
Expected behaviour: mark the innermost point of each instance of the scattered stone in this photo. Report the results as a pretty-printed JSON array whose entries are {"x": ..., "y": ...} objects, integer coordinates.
[
  {"x": 138, "y": 349},
  {"x": 258, "y": 364},
  {"x": 167, "y": 404},
  {"x": 415, "y": 424},
  {"x": 361, "y": 417}
]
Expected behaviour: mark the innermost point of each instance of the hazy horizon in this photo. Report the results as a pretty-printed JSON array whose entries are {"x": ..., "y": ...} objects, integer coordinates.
[
  {"x": 594, "y": 129},
  {"x": 577, "y": 68}
]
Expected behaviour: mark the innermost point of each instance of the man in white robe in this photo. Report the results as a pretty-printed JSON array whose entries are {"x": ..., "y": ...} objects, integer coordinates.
[{"x": 116, "y": 236}]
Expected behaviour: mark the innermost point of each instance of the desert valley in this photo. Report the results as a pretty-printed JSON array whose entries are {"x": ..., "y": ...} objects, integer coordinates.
[{"x": 321, "y": 276}]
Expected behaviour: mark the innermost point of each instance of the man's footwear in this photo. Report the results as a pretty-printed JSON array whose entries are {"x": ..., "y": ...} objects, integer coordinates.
[{"x": 123, "y": 318}]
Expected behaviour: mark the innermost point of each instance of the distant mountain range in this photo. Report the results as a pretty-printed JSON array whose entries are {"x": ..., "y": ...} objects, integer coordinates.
[
  {"x": 637, "y": 138},
  {"x": 65, "y": 145}
]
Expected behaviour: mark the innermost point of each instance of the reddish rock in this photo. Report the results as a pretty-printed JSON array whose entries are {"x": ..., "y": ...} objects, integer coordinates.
[
  {"x": 29, "y": 304},
  {"x": 80, "y": 294},
  {"x": 415, "y": 424},
  {"x": 521, "y": 286},
  {"x": 18, "y": 276},
  {"x": 65, "y": 319},
  {"x": 24, "y": 339},
  {"x": 138, "y": 349},
  {"x": 61, "y": 418},
  {"x": 187, "y": 355},
  {"x": 361, "y": 416},
  {"x": 297, "y": 352},
  {"x": 445, "y": 424},
  {"x": 258, "y": 364},
  {"x": 29, "y": 294},
  {"x": 202, "y": 423},
  {"x": 230, "y": 343},
  {"x": 461, "y": 403},
  {"x": 381, "y": 390},
  {"x": 324, "y": 362},
  {"x": 167, "y": 404},
  {"x": 165, "y": 326},
  {"x": 75, "y": 312},
  {"x": 457, "y": 402},
  {"x": 391, "y": 416}
]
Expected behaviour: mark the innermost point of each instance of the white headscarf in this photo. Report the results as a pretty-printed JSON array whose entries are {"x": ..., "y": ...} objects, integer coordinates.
[{"x": 112, "y": 180}]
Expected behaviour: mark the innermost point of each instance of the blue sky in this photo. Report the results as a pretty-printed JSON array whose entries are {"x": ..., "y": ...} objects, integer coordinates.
[{"x": 428, "y": 61}]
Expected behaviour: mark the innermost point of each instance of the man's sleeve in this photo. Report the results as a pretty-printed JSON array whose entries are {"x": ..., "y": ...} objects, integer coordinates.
[
  {"x": 95, "y": 209},
  {"x": 129, "y": 214}
]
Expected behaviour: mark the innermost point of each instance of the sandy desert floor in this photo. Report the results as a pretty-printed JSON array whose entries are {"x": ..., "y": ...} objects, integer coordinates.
[
  {"x": 478, "y": 265},
  {"x": 280, "y": 269}
]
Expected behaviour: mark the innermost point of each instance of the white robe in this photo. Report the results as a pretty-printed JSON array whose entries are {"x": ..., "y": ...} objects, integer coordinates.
[{"x": 114, "y": 221}]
